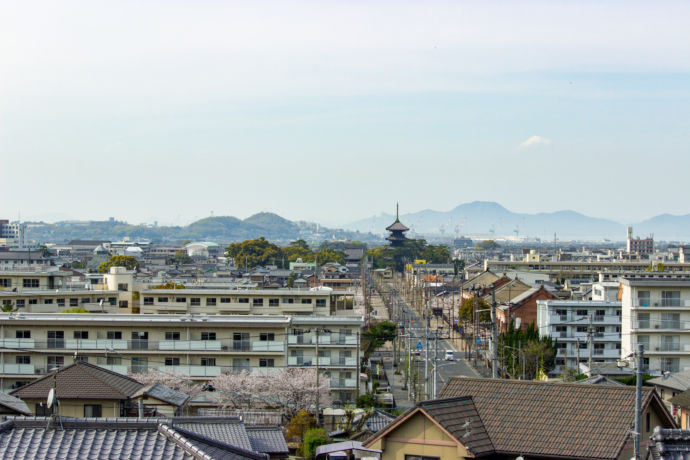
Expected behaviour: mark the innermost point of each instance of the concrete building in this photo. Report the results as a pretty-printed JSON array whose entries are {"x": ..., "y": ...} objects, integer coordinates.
[
  {"x": 639, "y": 246},
  {"x": 656, "y": 313},
  {"x": 199, "y": 346},
  {"x": 582, "y": 329},
  {"x": 12, "y": 235}
]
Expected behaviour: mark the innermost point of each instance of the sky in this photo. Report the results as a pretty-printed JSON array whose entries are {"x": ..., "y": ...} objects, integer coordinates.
[{"x": 333, "y": 111}]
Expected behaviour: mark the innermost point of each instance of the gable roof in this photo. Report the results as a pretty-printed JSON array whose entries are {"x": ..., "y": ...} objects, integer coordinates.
[
  {"x": 460, "y": 418},
  {"x": 682, "y": 399},
  {"x": 540, "y": 418},
  {"x": 455, "y": 416},
  {"x": 268, "y": 439},
  {"x": 162, "y": 393},
  {"x": 230, "y": 430},
  {"x": 81, "y": 381},
  {"x": 14, "y": 404},
  {"x": 677, "y": 381},
  {"x": 140, "y": 439}
]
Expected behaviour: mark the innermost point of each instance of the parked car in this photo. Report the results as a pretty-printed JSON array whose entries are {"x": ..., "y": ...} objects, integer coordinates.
[{"x": 450, "y": 355}]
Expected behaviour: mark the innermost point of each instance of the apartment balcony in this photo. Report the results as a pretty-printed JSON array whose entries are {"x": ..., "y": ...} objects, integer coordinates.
[
  {"x": 662, "y": 326},
  {"x": 323, "y": 361},
  {"x": 268, "y": 345},
  {"x": 338, "y": 384},
  {"x": 120, "y": 369},
  {"x": 303, "y": 339},
  {"x": 233, "y": 307},
  {"x": 170, "y": 307},
  {"x": 189, "y": 345},
  {"x": 304, "y": 361},
  {"x": 265, "y": 371},
  {"x": 192, "y": 371},
  {"x": 17, "y": 343},
  {"x": 18, "y": 369},
  {"x": 658, "y": 303},
  {"x": 297, "y": 308},
  {"x": 95, "y": 344}
]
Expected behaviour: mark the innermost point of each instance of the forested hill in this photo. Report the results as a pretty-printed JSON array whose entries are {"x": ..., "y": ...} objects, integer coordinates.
[{"x": 221, "y": 229}]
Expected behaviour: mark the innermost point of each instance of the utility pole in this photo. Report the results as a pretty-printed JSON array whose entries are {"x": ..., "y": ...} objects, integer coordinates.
[
  {"x": 494, "y": 337},
  {"x": 426, "y": 356},
  {"x": 639, "y": 360},
  {"x": 409, "y": 363},
  {"x": 577, "y": 364},
  {"x": 317, "y": 376},
  {"x": 590, "y": 339},
  {"x": 436, "y": 365}
]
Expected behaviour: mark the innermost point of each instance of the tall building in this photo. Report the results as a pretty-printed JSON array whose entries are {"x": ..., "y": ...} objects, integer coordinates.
[
  {"x": 656, "y": 313},
  {"x": 12, "y": 234},
  {"x": 640, "y": 246},
  {"x": 397, "y": 230}
]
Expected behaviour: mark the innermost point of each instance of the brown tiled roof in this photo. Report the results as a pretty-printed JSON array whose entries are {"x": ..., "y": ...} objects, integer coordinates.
[
  {"x": 459, "y": 417},
  {"x": 81, "y": 381},
  {"x": 554, "y": 419},
  {"x": 682, "y": 399}
]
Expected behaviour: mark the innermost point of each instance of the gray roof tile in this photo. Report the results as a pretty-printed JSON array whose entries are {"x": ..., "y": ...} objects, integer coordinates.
[
  {"x": 268, "y": 439},
  {"x": 229, "y": 430},
  {"x": 14, "y": 404}
]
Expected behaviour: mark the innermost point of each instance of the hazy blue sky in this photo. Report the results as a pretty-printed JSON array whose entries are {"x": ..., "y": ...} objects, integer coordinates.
[{"x": 333, "y": 111}]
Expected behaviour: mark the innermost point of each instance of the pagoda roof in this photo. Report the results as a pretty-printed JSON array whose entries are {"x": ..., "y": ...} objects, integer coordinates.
[{"x": 397, "y": 226}]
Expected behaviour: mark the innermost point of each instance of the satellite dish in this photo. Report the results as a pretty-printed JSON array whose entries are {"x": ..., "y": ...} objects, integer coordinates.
[{"x": 52, "y": 398}]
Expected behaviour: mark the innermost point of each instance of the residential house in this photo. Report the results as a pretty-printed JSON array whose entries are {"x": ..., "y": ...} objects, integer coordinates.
[
  {"x": 9, "y": 405},
  {"x": 522, "y": 309},
  {"x": 669, "y": 385},
  {"x": 510, "y": 418}
]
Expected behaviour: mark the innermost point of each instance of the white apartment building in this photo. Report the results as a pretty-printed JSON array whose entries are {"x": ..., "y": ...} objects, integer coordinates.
[
  {"x": 568, "y": 323},
  {"x": 656, "y": 313},
  {"x": 198, "y": 346}
]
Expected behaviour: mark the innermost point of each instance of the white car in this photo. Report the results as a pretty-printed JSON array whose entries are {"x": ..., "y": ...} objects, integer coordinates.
[{"x": 450, "y": 355}]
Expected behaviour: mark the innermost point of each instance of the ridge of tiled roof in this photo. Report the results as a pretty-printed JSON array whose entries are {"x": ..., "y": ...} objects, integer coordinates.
[
  {"x": 539, "y": 418},
  {"x": 239, "y": 452},
  {"x": 268, "y": 439}
]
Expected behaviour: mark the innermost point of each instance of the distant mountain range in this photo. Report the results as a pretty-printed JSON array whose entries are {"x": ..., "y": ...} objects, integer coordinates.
[
  {"x": 219, "y": 229},
  {"x": 489, "y": 218}
]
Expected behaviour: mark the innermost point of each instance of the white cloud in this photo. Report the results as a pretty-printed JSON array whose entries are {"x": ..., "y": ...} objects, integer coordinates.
[{"x": 535, "y": 141}]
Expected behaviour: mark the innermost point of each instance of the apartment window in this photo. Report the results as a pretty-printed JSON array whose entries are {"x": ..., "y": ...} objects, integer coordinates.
[
  {"x": 208, "y": 361},
  {"x": 114, "y": 335},
  {"x": 208, "y": 336},
  {"x": 267, "y": 336},
  {"x": 20, "y": 303},
  {"x": 600, "y": 312},
  {"x": 148, "y": 300},
  {"x": 643, "y": 298},
  {"x": 288, "y": 300},
  {"x": 112, "y": 300},
  {"x": 583, "y": 345},
  {"x": 113, "y": 360},
  {"x": 670, "y": 365},
  {"x": 561, "y": 312},
  {"x": 33, "y": 301},
  {"x": 60, "y": 302},
  {"x": 124, "y": 304},
  {"x": 22, "y": 359},
  {"x": 211, "y": 301},
  {"x": 55, "y": 361},
  {"x": 122, "y": 287},
  {"x": 47, "y": 301},
  {"x": 644, "y": 340},
  {"x": 273, "y": 302},
  {"x": 172, "y": 336},
  {"x": 670, "y": 298},
  {"x": 421, "y": 457},
  {"x": 257, "y": 302},
  {"x": 172, "y": 361},
  {"x": 581, "y": 329},
  {"x": 180, "y": 300},
  {"x": 670, "y": 343},
  {"x": 162, "y": 300},
  {"x": 243, "y": 300},
  {"x": 81, "y": 359},
  {"x": 240, "y": 363},
  {"x": 582, "y": 313},
  {"x": 6, "y": 282},
  {"x": 140, "y": 340},
  {"x": 670, "y": 320},
  {"x": 266, "y": 362},
  {"x": 240, "y": 341},
  {"x": 225, "y": 300},
  {"x": 93, "y": 410},
  {"x": 30, "y": 282},
  {"x": 306, "y": 301},
  {"x": 56, "y": 339},
  {"x": 643, "y": 320},
  {"x": 195, "y": 301},
  {"x": 73, "y": 302},
  {"x": 647, "y": 422},
  {"x": 81, "y": 334},
  {"x": 561, "y": 346},
  {"x": 140, "y": 365},
  {"x": 23, "y": 334}
]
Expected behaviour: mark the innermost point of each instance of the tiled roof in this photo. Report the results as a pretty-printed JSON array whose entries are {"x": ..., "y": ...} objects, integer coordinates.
[
  {"x": 459, "y": 417},
  {"x": 676, "y": 381},
  {"x": 599, "y": 380},
  {"x": 163, "y": 393},
  {"x": 554, "y": 419},
  {"x": 14, "y": 404},
  {"x": 669, "y": 444},
  {"x": 378, "y": 420},
  {"x": 682, "y": 399},
  {"x": 121, "y": 438},
  {"x": 268, "y": 439},
  {"x": 229, "y": 430},
  {"x": 81, "y": 381}
]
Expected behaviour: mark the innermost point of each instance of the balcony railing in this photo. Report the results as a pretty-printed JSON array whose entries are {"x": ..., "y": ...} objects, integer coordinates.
[
  {"x": 268, "y": 345},
  {"x": 192, "y": 371},
  {"x": 189, "y": 345},
  {"x": 23, "y": 369}
]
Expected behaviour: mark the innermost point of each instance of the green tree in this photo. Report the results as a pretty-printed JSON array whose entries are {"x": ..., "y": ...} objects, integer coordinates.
[
  {"x": 298, "y": 425},
  {"x": 313, "y": 438},
  {"x": 129, "y": 262},
  {"x": 328, "y": 255},
  {"x": 8, "y": 306},
  {"x": 517, "y": 346},
  {"x": 469, "y": 306},
  {"x": 254, "y": 253},
  {"x": 377, "y": 335},
  {"x": 181, "y": 257},
  {"x": 291, "y": 280},
  {"x": 367, "y": 400},
  {"x": 487, "y": 245},
  {"x": 300, "y": 244}
]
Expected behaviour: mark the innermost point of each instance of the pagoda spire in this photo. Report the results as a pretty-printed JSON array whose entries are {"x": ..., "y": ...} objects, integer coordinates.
[
  {"x": 397, "y": 229},
  {"x": 397, "y": 211}
]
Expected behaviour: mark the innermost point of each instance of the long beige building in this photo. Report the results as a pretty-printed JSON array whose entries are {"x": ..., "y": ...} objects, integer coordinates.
[{"x": 198, "y": 346}]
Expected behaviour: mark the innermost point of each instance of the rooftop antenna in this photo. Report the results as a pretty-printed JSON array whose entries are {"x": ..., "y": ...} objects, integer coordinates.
[{"x": 53, "y": 403}]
